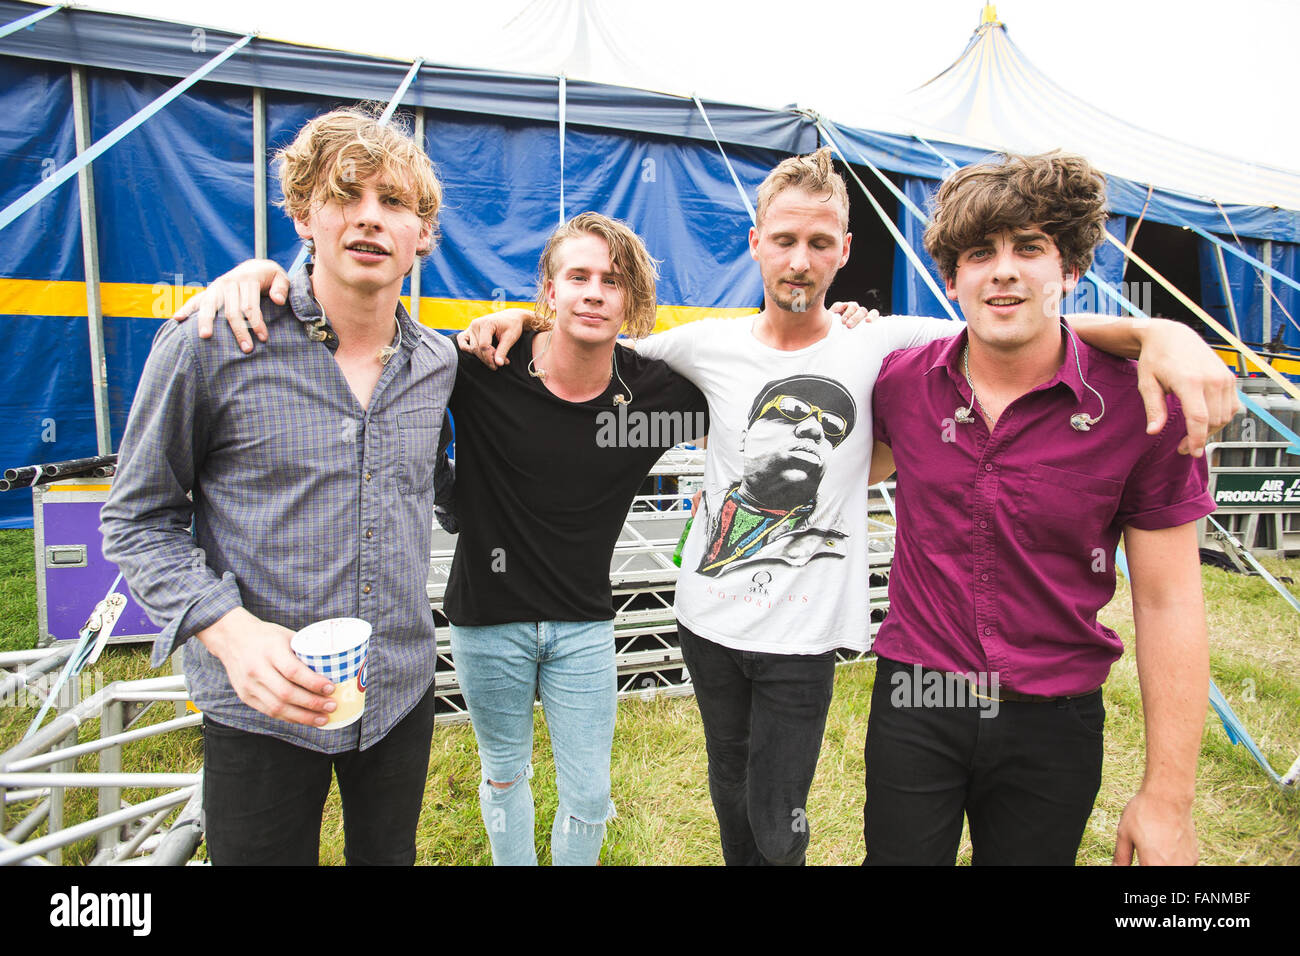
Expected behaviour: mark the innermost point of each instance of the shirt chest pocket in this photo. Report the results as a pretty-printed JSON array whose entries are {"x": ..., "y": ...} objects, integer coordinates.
[
  {"x": 417, "y": 450},
  {"x": 1064, "y": 511}
]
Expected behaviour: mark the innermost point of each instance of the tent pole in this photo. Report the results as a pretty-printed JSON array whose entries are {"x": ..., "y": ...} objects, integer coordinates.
[
  {"x": 564, "y": 96},
  {"x": 90, "y": 256},
  {"x": 416, "y": 269},
  {"x": 259, "y": 173},
  {"x": 1232, "y": 306},
  {"x": 1267, "y": 280}
]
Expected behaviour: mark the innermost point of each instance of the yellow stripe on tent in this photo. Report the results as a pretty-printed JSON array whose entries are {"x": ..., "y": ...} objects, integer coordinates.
[
  {"x": 159, "y": 301},
  {"x": 1283, "y": 365},
  {"x": 124, "y": 299}
]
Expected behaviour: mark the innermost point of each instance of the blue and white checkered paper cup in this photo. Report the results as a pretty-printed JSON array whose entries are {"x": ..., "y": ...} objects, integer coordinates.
[{"x": 337, "y": 648}]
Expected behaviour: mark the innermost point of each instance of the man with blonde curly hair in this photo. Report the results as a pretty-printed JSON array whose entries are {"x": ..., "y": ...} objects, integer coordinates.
[
  {"x": 307, "y": 472},
  {"x": 1022, "y": 458}
]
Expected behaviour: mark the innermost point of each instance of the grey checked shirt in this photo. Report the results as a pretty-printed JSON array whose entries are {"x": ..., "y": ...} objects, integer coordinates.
[{"x": 305, "y": 505}]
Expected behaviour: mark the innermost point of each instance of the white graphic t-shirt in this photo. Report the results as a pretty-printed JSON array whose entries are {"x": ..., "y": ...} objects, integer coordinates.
[{"x": 776, "y": 560}]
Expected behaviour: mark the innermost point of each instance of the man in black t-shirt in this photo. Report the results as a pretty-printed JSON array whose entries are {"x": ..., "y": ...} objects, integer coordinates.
[{"x": 549, "y": 454}]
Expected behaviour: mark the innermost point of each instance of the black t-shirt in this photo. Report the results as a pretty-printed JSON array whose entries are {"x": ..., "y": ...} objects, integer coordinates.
[{"x": 543, "y": 485}]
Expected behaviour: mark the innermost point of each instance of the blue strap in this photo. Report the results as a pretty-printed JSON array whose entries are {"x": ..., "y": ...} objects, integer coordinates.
[
  {"x": 1121, "y": 563},
  {"x": 1240, "y": 254},
  {"x": 38, "y": 192},
  {"x": 1272, "y": 422},
  {"x": 889, "y": 502},
  {"x": 1237, "y": 732},
  {"x": 76, "y": 661},
  {"x": 28, "y": 20},
  {"x": 744, "y": 197},
  {"x": 946, "y": 161},
  {"x": 1259, "y": 568},
  {"x": 391, "y": 108}
]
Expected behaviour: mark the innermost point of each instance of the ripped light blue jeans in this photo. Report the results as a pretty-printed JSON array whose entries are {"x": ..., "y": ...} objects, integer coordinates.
[{"x": 501, "y": 668}]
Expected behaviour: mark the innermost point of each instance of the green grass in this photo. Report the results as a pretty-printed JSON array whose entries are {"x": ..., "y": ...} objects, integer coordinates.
[
  {"x": 17, "y": 591},
  {"x": 659, "y": 767}
]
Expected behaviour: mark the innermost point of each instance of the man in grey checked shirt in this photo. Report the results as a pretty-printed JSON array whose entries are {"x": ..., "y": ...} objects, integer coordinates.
[{"x": 311, "y": 468}]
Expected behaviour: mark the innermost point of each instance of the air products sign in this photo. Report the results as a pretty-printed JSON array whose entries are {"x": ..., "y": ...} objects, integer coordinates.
[{"x": 1258, "y": 491}]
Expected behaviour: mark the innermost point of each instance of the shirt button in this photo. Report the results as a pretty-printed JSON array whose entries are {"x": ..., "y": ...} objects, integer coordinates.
[
  {"x": 984, "y": 524},
  {"x": 988, "y": 631},
  {"x": 370, "y": 532},
  {"x": 367, "y": 476},
  {"x": 365, "y": 589},
  {"x": 988, "y": 467},
  {"x": 984, "y": 577}
]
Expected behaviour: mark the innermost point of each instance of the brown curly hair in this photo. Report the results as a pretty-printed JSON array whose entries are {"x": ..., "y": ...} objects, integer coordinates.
[
  {"x": 1062, "y": 194},
  {"x": 336, "y": 150},
  {"x": 627, "y": 254}
]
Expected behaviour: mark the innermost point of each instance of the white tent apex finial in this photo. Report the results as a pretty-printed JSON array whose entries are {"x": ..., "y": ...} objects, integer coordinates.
[{"x": 990, "y": 16}]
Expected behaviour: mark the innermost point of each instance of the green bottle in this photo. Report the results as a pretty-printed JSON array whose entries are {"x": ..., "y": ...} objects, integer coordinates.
[{"x": 681, "y": 542}]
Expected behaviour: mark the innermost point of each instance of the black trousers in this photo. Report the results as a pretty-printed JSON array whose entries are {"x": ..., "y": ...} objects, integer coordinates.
[
  {"x": 262, "y": 797},
  {"x": 763, "y": 716},
  {"x": 1025, "y": 777}
]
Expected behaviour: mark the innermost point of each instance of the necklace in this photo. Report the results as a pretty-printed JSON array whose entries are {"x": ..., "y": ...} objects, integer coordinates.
[
  {"x": 541, "y": 373},
  {"x": 963, "y": 415}
]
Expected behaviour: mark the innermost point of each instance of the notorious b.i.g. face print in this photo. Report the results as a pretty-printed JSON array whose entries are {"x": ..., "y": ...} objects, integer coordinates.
[{"x": 770, "y": 513}]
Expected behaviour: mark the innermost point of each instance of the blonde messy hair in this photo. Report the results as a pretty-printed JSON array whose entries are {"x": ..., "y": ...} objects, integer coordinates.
[
  {"x": 629, "y": 257},
  {"x": 1060, "y": 193},
  {"x": 347, "y": 146},
  {"x": 814, "y": 173}
]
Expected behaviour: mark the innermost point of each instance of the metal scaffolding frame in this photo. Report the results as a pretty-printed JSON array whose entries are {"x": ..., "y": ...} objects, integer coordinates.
[{"x": 36, "y": 774}]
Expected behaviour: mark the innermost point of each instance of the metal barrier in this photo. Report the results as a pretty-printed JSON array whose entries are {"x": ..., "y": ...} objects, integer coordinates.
[
  {"x": 643, "y": 580},
  {"x": 36, "y": 775}
]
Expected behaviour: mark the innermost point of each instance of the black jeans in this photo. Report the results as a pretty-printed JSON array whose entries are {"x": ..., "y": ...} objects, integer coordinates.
[
  {"x": 763, "y": 715},
  {"x": 1025, "y": 776},
  {"x": 263, "y": 797}
]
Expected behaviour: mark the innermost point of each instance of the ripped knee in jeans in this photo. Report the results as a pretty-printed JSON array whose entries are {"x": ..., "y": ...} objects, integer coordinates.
[
  {"x": 524, "y": 774},
  {"x": 587, "y": 824}
]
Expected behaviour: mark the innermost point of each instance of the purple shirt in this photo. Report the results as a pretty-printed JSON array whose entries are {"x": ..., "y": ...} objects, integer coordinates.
[{"x": 1006, "y": 541}]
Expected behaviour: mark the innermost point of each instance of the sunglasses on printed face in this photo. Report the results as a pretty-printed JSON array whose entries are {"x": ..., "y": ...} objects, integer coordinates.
[{"x": 796, "y": 410}]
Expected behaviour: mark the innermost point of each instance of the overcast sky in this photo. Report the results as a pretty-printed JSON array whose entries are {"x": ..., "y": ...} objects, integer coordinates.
[{"x": 1219, "y": 75}]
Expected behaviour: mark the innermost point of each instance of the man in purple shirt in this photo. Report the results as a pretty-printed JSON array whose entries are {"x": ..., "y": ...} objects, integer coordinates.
[{"x": 1022, "y": 457}]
